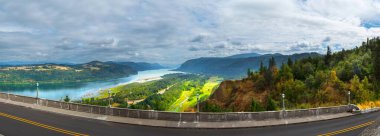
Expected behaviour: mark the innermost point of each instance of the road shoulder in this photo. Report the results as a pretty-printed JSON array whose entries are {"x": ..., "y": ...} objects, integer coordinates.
[{"x": 372, "y": 130}]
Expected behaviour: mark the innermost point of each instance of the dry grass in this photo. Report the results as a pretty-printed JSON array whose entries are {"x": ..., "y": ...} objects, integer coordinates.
[
  {"x": 62, "y": 68},
  {"x": 17, "y": 68},
  {"x": 369, "y": 105},
  {"x": 37, "y": 68}
]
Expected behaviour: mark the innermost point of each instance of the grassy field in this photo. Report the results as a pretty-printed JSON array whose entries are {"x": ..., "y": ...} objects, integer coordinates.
[
  {"x": 176, "y": 93},
  {"x": 104, "y": 93},
  {"x": 188, "y": 99}
]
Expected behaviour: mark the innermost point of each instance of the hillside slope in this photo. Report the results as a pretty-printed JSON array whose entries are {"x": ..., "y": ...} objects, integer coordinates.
[
  {"x": 244, "y": 55},
  {"x": 142, "y": 66},
  {"x": 62, "y": 73},
  {"x": 235, "y": 66},
  {"x": 309, "y": 82}
]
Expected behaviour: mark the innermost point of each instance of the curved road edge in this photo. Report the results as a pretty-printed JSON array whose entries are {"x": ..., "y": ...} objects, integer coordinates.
[
  {"x": 182, "y": 124},
  {"x": 372, "y": 130}
]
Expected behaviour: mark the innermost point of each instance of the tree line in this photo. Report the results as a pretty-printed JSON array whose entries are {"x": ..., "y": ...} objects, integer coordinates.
[{"x": 317, "y": 81}]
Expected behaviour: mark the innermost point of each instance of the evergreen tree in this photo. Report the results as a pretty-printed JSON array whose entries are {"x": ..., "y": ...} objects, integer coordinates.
[
  {"x": 328, "y": 56},
  {"x": 290, "y": 62},
  {"x": 272, "y": 63},
  {"x": 271, "y": 105},
  {"x": 376, "y": 63},
  {"x": 67, "y": 99},
  {"x": 249, "y": 73},
  {"x": 255, "y": 106},
  {"x": 262, "y": 67},
  {"x": 367, "y": 41},
  {"x": 270, "y": 74},
  {"x": 285, "y": 73}
]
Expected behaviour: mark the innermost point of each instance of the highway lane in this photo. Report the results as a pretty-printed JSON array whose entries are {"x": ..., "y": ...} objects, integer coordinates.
[{"x": 12, "y": 127}]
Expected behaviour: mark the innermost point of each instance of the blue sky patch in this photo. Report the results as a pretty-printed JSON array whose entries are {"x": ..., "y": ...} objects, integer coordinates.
[{"x": 371, "y": 23}]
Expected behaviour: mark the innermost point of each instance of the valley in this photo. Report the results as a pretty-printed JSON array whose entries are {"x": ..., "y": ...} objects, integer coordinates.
[
  {"x": 242, "y": 82},
  {"x": 197, "y": 68},
  {"x": 78, "y": 90},
  {"x": 174, "y": 92}
]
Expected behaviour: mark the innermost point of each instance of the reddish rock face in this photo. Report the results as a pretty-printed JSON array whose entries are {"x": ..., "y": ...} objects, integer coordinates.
[{"x": 236, "y": 95}]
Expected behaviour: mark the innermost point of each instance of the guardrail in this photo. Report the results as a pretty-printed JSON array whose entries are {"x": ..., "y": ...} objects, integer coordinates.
[{"x": 179, "y": 116}]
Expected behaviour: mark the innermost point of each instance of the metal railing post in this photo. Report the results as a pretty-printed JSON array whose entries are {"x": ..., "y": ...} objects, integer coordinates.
[{"x": 37, "y": 93}]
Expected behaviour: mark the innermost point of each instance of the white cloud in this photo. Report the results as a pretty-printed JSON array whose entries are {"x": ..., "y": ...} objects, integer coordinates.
[
  {"x": 15, "y": 29},
  {"x": 173, "y": 31}
]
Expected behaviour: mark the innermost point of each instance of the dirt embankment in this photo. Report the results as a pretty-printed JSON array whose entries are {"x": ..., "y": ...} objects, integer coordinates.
[{"x": 236, "y": 95}]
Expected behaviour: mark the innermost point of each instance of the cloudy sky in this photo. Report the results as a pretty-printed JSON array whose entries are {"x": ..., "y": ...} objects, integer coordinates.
[{"x": 171, "y": 32}]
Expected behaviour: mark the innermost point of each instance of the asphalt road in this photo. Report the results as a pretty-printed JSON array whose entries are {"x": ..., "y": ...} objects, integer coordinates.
[{"x": 21, "y": 121}]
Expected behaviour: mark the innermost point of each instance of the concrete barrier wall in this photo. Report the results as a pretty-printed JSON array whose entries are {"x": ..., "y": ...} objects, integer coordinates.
[{"x": 179, "y": 116}]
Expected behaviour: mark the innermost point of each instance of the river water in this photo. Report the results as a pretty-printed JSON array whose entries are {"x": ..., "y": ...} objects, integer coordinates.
[{"x": 78, "y": 90}]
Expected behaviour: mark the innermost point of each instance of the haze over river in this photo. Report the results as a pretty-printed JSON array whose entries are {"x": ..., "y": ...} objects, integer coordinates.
[{"x": 78, "y": 90}]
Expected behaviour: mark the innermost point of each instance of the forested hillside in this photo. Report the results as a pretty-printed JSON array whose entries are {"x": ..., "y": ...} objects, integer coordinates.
[
  {"x": 63, "y": 73},
  {"x": 306, "y": 83},
  {"x": 141, "y": 66},
  {"x": 234, "y": 67},
  {"x": 244, "y": 55}
]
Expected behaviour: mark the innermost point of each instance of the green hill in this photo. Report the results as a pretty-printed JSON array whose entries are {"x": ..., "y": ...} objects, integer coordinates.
[
  {"x": 245, "y": 55},
  {"x": 308, "y": 82},
  {"x": 234, "y": 67},
  {"x": 141, "y": 66},
  {"x": 63, "y": 73}
]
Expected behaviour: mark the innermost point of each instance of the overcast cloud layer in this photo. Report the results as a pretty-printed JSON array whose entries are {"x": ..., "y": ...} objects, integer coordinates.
[{"x": 171, "y": 32}]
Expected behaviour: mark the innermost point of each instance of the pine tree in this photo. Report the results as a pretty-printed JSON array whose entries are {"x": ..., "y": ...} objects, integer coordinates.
[
  {"x": 328, "y": 56},
  {"x": 367, "y": 41},
  {"x": 376, "y": 63},
  {"x": 290, "y": 62},
  {"x": 262, "y": 68},
  {"x": 271, "y": 104},
  {"x": 270, "y": 74},
  {"x": 272, "y": 63},
  {"x": 249, "y": 73}
]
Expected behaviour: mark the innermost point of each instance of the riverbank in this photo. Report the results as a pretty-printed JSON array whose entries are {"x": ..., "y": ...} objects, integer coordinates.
[
  {"x": 148, "y": 79},
  {"x": 78, "y": 90},
  {"x": 142, "y": 77}
]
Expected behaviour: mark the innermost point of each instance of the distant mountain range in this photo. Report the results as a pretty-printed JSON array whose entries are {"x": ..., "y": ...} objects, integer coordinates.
[
  {"x": 21, "y": 63},
  {"x": 236, "y": 66},
  {"x": 105, "y": 69},
  {"x": 244, "y": 55},
  {"x": 138, "y": 66},
  {"x": 141, "y": 66}
]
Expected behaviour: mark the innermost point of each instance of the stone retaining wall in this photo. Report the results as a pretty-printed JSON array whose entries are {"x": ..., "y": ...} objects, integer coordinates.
[{"x": 179, "y": 116}]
